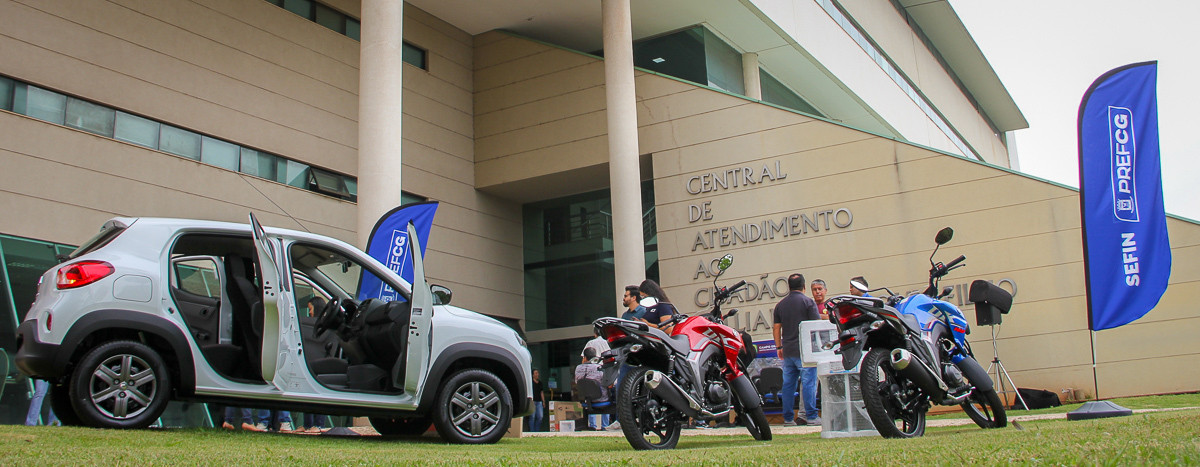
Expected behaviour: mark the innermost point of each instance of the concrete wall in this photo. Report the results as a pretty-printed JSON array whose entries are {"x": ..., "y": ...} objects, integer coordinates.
[
  {"x": 533, "y": 109},
  {"x": 257, "y": 75}
]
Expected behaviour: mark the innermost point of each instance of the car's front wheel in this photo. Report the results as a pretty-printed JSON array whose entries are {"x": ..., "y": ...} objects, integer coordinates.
[
  {"x": 120, "y": 384},
  {"x": 473, "y": 407}
]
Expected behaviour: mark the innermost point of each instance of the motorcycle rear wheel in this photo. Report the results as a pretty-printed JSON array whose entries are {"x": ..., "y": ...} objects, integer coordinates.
[
  {"x": 986, "y": 409},
  {"x": 881, "y": 386},
  {"x": 646, "y": 420}
]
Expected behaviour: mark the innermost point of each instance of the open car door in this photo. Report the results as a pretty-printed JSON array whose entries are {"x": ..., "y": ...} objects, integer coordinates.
[
  {"x": 268, "y": 266},
  {"x": 420, "y": 322}
]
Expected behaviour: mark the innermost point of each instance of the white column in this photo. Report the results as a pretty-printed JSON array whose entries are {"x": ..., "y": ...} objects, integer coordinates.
[
  {"x": 750, "y": 76},
  {"x": 380, "y": 92},
  {"x": 629, "y": 258}
]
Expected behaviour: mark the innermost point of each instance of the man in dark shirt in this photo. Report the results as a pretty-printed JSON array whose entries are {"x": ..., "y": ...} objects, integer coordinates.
[
  {"x": 789, "y": 312},
  {"x": 539, "y": 404}
]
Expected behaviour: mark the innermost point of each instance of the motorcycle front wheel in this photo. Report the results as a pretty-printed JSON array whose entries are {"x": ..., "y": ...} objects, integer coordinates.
[
  {"x": 647, "y": 421},
  {"x": 986, "y": 409},
  {"x": 756, "y": 423},
  {"x": 883, "y": 390}
]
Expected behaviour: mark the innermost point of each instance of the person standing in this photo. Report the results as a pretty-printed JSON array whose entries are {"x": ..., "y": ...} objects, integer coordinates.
[
  {"x": 660, "y": 312},
  {"x": 818, "y": 296},
  {"x": 539, "y": 404},
  {"x": 788, "y": 314},
  {"x": 633, "y": 309},
  {"x": 40, "y": 388},
  {"x": 858, "y": 287},
  {"x": 597, "y": 344}
]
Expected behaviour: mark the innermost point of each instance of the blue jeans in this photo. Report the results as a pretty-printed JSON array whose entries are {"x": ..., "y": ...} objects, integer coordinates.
[
  {"x": 793, "y": 371},
  {"x": 808, "y": 382},
  {"x": 234, "y": 414},
  {"x": 314, "y": 420},
  {"x": 539, "y": 413},
  {"x": 40, "y": 388},
  {"x": 273, "y": 418}
]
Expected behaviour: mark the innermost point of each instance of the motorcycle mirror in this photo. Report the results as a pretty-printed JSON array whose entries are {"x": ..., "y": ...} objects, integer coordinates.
[
  {"x": 648, "y": 302},
  {"x": 946, "y": 291},
  {"x": 724, "y": 263},
  {"x": 731, "y": 313},
  {"x": 944, "y": 236}
]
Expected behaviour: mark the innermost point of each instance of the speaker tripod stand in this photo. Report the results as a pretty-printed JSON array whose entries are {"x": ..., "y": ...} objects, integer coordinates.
[{"x": 1000, "y": 371}]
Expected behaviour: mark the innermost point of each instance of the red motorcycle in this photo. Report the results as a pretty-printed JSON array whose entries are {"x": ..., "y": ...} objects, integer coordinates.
[{"x": 697, "y": 372}]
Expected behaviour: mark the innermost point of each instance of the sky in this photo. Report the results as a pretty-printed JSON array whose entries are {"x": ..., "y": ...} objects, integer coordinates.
[{"x": 1048, "y": 52}]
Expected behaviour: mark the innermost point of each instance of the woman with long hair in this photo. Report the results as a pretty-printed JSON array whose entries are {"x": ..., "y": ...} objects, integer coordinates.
[{"x": 659, "y": 312}]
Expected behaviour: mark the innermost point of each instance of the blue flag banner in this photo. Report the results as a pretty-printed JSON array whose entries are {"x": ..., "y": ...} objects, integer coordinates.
[
  {"x": 1127, "y": 254},
  {"x": 388, "y": 244}
]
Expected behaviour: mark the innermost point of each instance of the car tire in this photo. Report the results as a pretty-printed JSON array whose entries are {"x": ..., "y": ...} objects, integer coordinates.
[
  {"x": 120, "y": 384},
  {"x": 472, "y": 407},
  {"x": 60, "y": 402},
  {"x": 401, "y": 426}
]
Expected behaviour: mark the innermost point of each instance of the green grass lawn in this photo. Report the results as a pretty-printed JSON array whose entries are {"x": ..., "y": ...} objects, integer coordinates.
[{"x": 1155, "y": 438}]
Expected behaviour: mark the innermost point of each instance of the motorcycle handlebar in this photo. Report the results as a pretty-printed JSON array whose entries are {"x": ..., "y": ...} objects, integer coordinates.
[
  {"x": 957, "y": 260},
  {"x": 723, "y": 293}
]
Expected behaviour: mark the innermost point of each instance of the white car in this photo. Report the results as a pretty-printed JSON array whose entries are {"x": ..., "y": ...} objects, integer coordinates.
[{"x": 152, "y": 309}]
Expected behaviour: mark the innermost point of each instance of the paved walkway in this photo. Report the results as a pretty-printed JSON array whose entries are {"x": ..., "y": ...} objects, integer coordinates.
[{"x": 801, "y": 430}]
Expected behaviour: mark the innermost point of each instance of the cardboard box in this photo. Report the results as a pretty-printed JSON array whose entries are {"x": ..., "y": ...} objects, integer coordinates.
[
  {"x": 566, "y": 426},
  {"x": 561, "y": 411}
]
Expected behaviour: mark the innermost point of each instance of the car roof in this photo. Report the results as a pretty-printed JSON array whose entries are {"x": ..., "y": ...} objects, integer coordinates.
[{"x": 180, "y": 223}]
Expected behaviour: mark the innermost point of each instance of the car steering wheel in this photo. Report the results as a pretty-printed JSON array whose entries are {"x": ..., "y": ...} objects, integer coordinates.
[{"x": 328, "y": 318}]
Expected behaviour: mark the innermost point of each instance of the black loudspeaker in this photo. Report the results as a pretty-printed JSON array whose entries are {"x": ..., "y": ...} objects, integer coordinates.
[
  {"x": 987, "y": 315},
  {"x": 990, "y": 301}
]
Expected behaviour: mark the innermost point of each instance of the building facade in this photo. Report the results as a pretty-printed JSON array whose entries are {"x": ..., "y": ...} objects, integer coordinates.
[{"x": 827, "y": 137}]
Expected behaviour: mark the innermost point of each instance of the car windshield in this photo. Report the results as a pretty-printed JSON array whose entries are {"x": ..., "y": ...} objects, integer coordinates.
[{"x": 335, "y": 271}]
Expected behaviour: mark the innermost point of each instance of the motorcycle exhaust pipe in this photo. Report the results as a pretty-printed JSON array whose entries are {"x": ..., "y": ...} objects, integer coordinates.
[
  {"x": 676, "y": 397},
  {"x": 903, "y": 361}
]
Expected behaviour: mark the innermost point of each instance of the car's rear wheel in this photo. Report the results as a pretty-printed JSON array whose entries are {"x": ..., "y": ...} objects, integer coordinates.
[
  {"x": 120, "y": 384},
  {"x": 473, "y": 407}
]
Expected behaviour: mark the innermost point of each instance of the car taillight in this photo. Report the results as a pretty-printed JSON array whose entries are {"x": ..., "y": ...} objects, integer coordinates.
[
  {"x": 82, "y": 273},
  {"x": 49, "y": 320},
  {"x": 846, "y": 312}
]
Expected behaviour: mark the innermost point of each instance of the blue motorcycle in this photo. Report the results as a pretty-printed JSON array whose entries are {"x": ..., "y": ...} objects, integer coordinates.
[{"x": 917, "y": 355}]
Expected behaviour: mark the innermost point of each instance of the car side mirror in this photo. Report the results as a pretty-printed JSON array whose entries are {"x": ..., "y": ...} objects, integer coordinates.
[{"x": 441, "y": 294}]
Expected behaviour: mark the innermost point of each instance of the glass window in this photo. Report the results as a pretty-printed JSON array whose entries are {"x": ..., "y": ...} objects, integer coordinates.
[
  {"x": 6, "y": 93},
  {"x": 87, "y": 116},
  {"x": 259, "y": 164},
  {"x": 353, "y": 28},
  {"x": 777, "y": 93},
  {"x": 45, "y": 105},
  {"x": 327, "y": 182},
  {"x": 679, "y": 54},
  {"x": 197, "y": 277},
  {"x": 137, "y": 130},
  {"x": 414, "y": 56},
  {"x": 329, "y": 18},
  {"x": 724, "y": 64},
  {"x": 333, "y": 271},
  {"x": 299, "y": 7},
  {"x": 180, "y": 142},
  {"x": 292, "y": 173},
  {"x": 220, "y": 153},
  {"x": 352, "y": 188},
  {"x": 305, "y": 291}
]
